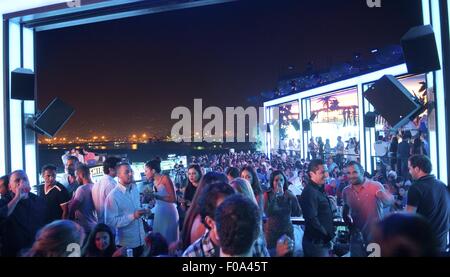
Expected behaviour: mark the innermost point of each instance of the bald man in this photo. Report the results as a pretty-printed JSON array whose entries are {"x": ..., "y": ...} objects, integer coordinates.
[{"x": 22, "y": 214}]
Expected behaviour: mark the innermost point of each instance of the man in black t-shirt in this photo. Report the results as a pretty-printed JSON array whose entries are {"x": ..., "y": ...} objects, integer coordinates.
[
  {"x": 429, "y": 197},
  {"x": 55, "y": 195}
]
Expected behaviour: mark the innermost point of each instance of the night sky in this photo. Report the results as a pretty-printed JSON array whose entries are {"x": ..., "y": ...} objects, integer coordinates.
[{"x": 126, "y": 76}]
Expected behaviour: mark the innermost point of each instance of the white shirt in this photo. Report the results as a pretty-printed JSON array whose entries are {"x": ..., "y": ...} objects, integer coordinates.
[
  {"x": 121, "y": 203},
  {"x": 100, "y": 191}
]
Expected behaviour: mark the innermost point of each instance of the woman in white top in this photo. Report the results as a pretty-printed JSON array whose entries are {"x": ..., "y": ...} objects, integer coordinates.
[{"x": 166, "y": 214}]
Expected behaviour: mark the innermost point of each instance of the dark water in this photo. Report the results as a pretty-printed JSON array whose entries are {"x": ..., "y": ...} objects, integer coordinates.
[{"x": 144, "y": 152}]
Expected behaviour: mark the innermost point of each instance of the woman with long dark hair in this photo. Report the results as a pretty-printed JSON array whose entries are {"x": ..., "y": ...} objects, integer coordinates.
[
  {"x": 193, "y": 227},
  {"x": 249, "y": 174},
  {"x": 280, "y": 205},
  {"x": 194, "y": 175},
  {"x": 101, "y": 242}
]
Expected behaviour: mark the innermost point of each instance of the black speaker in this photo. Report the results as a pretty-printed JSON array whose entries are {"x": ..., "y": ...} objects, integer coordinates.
[
  {"x": 268, "y": 127},
  {"x": 369, "y": 119},
  {"x": 420, "y": 50},
  {"x": 306, "y": 125},
  {"x": 392, "y": 101},
  {"x": 22, "y": 84},
  {"x": 53, "y": 117}
]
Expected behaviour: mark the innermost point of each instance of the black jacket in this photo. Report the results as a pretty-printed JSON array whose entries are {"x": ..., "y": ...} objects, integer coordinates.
[
  {"x": 20, "y": 228},
  {"x": 317, "y": 213}
]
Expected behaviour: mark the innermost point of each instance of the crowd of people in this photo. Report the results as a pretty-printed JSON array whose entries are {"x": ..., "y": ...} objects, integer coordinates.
[{"x": 234, "y": 204}]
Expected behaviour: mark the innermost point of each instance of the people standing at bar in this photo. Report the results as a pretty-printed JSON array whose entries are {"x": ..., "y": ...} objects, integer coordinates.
[
  {"x": 429, "y": 197},
  {"x": 104, "y": 186},
  {"x": 316, "y": 208},
  {"x": 123, "y": 211},
  {"x": 364, "y": 201}
]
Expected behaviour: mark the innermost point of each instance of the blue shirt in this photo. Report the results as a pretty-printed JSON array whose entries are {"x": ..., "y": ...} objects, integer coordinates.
[{"x": 121, "y": 203}]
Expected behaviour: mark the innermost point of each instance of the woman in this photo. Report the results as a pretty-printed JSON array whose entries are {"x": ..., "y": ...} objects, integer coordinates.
[
  {"x": 194, "y": 174},
  {"x": 166, "y": 214},
  {"x": 61, "y": 238},
  {"x": 193, "y": 227},
  {"x": 101, "y": 242},
  {"x": 281, "y": 204},
  {"x": 249, "y": 174}
]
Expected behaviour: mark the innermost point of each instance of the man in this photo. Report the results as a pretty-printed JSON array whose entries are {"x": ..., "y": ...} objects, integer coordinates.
[
  {"x": 319, "y": 229},
  {"x": 364, "y": 201},
  {"x": 237, "y": 226},
  {"x": 339, "y": 151},
  {"x": 208, "y": 245},
  {"x": 403, "y": 153},
  {"x": 22, "y": 214},
  {"x": 429, "y": 197},
  {"x": 405, "y": 235},
  {"x": 55, "y": 195},
  {"x": 331, "y": 165},
  {"x": 104, "y": 186},
  {"x": 232, "y": 173},
  {"x": 69, "y": 180},
  {"x": 81, "y": 207},
  {"x": 123, "y": 211}
]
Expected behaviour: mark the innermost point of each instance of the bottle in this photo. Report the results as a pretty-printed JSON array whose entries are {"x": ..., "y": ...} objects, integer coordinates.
[{"x": 129, "y": 252}]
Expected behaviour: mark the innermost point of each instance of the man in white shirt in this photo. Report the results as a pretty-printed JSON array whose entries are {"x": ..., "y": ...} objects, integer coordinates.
[
  {"x": 69, "y": 180},
  {"x": 104, "y": 186},
  {"x": 122, "y": 211}
]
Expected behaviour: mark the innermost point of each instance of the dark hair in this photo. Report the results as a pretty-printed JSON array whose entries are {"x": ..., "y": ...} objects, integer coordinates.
[
  {"x": 90, "y": 250},
  {"x": 357, "y": 165},
  {"x": 255, "y": 181},
  {"x": 52, "y": 240},
  {"x": 73, "y": 158},
  {"x": 207, "y": 179},
  {"x": 84, "y": 169},
  {"x": 313, "y": 165},
  {"x": 198, "y": 169},
  {"x": 238, "y": 222},
  {"x": 5, "y": 180},
  {"x": 48, "y": 167},
  {"x": 157, "y": 244},
  {"x": 232, "y": 171},
  {"x": 110, "y": 162},
  {"x": 422, "y": 162},
  {"x": 154, "y": 164},
  {"x": 412, "y": 227},
  {"x": 272, "y": 178},
  {"x": 209, "y": 197}
]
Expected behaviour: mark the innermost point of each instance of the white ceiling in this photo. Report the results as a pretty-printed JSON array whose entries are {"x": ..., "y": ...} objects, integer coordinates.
[{"x": 8, "y": 6}]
